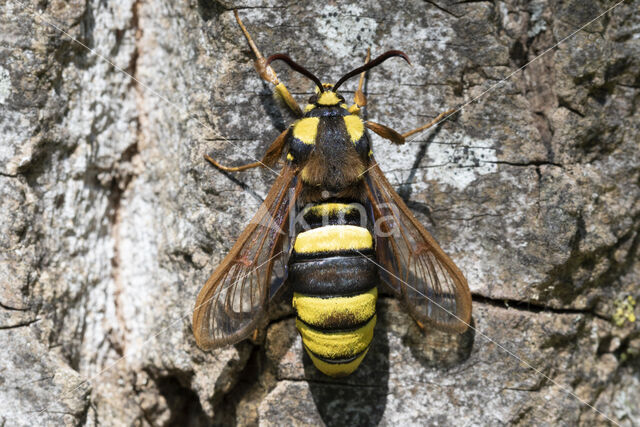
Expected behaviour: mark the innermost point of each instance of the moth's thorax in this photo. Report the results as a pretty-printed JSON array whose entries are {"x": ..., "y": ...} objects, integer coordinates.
[{"x": 331, "y": 146}]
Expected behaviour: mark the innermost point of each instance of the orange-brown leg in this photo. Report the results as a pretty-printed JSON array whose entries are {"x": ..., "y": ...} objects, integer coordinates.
[
  {"x": 232, "y": 168},
  {"x": 359, "y": 99},
  {"x": 400, "y": 138},
  {"x": 269, "y": 159},
  {"x": 385, "y": 132},
  {"x": 437, "y": 120},
  {"x": 267, "y": 73}
]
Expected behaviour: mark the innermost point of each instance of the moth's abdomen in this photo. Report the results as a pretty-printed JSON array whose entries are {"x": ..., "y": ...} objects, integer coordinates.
[
  {"x": 335, "y": 289},
  {"x": 336, "y": 331}
]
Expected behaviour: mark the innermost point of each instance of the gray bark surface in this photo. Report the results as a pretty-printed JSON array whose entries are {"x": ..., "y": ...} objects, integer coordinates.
[{"x": 111, "y": 220}]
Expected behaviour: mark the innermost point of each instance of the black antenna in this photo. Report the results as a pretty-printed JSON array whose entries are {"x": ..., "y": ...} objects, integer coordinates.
[
  {"x": 369, "y": 65},
  {"x": 295, "y": 67}
]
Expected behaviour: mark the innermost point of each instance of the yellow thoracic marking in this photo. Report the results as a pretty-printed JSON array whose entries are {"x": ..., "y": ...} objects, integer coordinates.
[
  {"x": 306, "y": 129},
  {"x": 337, "y": 369},
  {"x": 370, "y": 153},
  {"x": 309, "y": 107},
  {"x": 328, "y": 98},
  {"x": 355, "y": 127},
  {"x": 343, "y": 106},
  {"x": 322, "y": 312},
  {"x": 337, "y": 345},
  {"x": 333, "y": 238},
  {"x": 326, "y": 209},
  {"x": 289, "y": 157},
  {"x": 354, "y": 109}
]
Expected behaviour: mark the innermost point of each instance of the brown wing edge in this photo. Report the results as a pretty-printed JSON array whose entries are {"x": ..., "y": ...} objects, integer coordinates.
[
  {"x": 462, "y": 295},
  {"x": 207, "y": 293}
]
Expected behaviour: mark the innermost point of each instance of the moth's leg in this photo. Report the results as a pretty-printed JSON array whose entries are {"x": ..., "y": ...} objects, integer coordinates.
[
  {"x": 358, "y": 98},
  {"x": 268, "y": 160},
  {"x": 385, "y": 132},
  {"x": 431, "y": 123},
  {"x": 400, "y": 138},
  {"x": 267, "y": 73}
]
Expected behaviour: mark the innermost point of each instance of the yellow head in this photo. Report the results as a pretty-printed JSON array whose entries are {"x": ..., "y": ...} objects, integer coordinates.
[
  {"x": 328, "y": 98},
  {"x": 327, "y": 94}
]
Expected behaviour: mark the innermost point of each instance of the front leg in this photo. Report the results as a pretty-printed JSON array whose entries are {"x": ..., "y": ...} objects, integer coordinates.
[
  {"x": 267, "y": 73},
  {"x": 359, "y": 99}
]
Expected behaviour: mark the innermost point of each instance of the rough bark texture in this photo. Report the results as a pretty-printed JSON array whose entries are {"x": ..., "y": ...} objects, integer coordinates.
[{"x": 111, "y": 220}]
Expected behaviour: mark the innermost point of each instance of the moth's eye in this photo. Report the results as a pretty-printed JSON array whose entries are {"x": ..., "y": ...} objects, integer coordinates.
[{"x": 313, "y": 99}]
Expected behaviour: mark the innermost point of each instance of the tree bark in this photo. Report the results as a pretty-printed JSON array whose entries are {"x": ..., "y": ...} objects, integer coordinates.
[{"x": 111, "y": 220}]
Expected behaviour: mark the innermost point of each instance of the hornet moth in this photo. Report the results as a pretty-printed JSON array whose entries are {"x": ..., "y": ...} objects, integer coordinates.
[{"x": 352, "y": 232}]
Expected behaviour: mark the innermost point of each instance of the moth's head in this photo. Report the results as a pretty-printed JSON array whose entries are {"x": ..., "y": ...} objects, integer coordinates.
[
  {"x": 327, "y": 94},
  {"x": 327, "y": 98}
]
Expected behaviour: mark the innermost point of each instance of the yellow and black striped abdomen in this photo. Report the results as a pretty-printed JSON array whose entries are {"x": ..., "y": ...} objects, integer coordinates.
[{"x": 334, "y": 288}]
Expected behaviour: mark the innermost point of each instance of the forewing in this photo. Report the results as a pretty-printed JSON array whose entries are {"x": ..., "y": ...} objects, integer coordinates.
[
  {"x": 412, "y": 263},
  {"x": 233, "y": 301}
]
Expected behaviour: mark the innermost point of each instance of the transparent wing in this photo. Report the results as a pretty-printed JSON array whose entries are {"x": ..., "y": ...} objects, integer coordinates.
[
  {"x": 233, "y": 301},
  {"x": 412, "y": 263}
]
